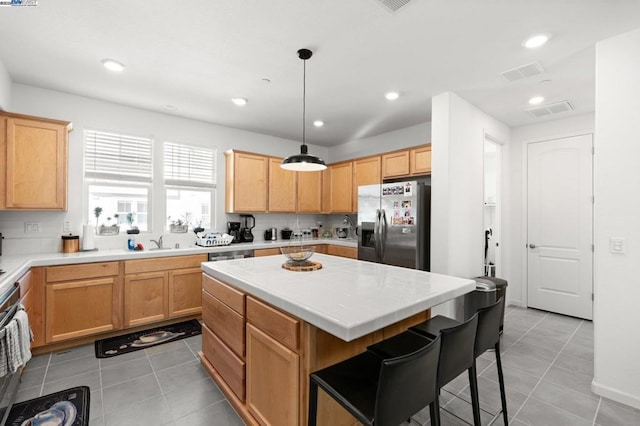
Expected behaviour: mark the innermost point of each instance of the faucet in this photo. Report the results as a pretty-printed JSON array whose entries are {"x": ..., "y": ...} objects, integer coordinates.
[
  {"x": 346, "y": 220},
  {"x": 158, "y": 242}
]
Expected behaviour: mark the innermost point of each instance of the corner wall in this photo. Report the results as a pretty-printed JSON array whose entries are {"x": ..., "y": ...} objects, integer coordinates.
[
  {"x": 5, "y": 88},
  {"x": 457, "y": 178},
  {"x": 617, "y": 203}
]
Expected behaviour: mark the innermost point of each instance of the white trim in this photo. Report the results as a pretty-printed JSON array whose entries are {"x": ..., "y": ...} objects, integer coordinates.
[{"x": 615, "y": 395}]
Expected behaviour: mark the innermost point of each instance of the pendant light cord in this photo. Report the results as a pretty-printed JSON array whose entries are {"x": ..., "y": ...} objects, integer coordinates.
[{"x": 304, "y": 100}]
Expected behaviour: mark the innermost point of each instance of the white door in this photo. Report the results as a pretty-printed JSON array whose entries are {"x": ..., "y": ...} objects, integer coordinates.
[{"x": 559, "y": 226}]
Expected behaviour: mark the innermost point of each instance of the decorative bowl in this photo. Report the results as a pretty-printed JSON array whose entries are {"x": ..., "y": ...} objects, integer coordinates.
[{"x": 298, "y": 254}]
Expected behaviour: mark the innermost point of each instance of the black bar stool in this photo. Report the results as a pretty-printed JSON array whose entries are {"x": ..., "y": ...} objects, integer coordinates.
[
  {"x": 456, "y": 355},
  {"x": 487, "y": 337},
  {"x": 381, "y": 391}
]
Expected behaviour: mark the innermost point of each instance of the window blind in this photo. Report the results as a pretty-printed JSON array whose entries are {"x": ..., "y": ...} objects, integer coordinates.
[
  {"x": 112, "y": 156},
  {"x": 186, "y": 165}
]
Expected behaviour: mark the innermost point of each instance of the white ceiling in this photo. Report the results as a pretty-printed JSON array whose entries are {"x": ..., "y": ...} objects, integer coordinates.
[{"x": 196, "y": 55}]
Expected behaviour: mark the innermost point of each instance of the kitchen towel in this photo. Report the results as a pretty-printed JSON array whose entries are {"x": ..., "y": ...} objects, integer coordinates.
[
  {"x": 4, "y": 365},
  {"x": 14, "y": 353},
  {"x": 25, "y": 336},
  {"x": 88, "y": 237}
]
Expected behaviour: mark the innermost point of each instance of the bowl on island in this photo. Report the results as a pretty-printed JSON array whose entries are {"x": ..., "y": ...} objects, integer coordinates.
[{"x": 298, "y": 254}]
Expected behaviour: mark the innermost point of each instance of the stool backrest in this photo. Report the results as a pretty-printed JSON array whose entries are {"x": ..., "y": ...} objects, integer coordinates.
[
  {"x": 456, "y": 350},
  {"x": 407, "y": 384},
  {"x": 488, "y": 333}
]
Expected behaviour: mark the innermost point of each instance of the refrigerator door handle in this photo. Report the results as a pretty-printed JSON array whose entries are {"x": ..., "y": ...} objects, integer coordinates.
[
  {"x": 376, "y": 235},
  {"x": 383, "y": 234}
]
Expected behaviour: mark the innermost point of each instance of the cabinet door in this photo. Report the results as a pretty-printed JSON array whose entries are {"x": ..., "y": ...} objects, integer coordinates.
[
  {"x": 366, "y": 171},
  {"x": 350, "y": 252},
  {"x": 246, "y": 182},
  {"x": 395, "y": 164},
  {"x": 266, "y": 252},
  {"x": 421, "y": 160},
  {"x": 309, "y": 192},
  {"x": 80, "y": 308},
  {"x": 272, "y": 380},
  {"x": 282, "y": 188},
  {"x": 185, "y": 292},
  {"x": 36, "y": 165},
  {"x": 145, "y": 298},
  {"x": 340, "y": 187}
]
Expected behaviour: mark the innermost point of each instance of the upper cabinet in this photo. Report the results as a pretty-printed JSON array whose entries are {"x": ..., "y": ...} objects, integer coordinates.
[
  {"x": 309, "y": 199},
  {"x": 408, "y": 162},
  {"x": 338, "y": 192},
  {"x": 33, "y": 156},
  {"x": 282, "y": 188},
  {"x": 366, "y": 171},
  {"x": 247, "y": 177}
]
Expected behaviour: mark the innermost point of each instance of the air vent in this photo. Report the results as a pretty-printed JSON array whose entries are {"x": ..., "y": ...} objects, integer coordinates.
[
  {"x": 524, "y": 71},
  {"x": 545, "y": 110},
  {"x": 392, "y": 5}
]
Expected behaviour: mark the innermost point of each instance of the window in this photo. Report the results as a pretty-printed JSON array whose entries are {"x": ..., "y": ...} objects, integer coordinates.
[
  {"x": 118, "y": 174},
  {"x": 189, "y": 178}
]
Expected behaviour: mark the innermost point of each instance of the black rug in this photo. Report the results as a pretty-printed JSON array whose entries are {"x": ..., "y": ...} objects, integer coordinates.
[
  {"x": 114, "y": 346},
  {"x": 65, "y": 408}
]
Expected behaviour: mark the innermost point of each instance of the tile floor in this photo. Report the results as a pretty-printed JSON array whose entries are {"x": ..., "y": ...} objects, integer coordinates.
[{"x": 547, "y": 361}]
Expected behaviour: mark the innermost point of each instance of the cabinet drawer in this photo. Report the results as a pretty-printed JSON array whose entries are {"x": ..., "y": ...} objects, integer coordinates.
[
  {"x": 163, "y": 263},
  {"x": 226, "y": 323},
  {"x": 278, "y": 325},
  {"x": 350, "y": 252},
  {"x": 225, "y": 293},
  {"x": 81, "y": 271},
  {"x": 226, "y": 363}
]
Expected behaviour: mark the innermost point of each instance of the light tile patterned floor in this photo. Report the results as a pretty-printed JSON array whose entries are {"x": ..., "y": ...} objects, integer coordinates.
[{"x": 547, "y": 361}]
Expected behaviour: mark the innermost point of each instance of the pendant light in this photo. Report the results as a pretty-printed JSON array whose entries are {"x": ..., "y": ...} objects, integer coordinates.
[{"x": 303, "y": 162}]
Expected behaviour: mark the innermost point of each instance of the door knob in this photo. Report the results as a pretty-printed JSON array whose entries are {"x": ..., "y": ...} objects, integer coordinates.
[{"x": 532, "y": 246}]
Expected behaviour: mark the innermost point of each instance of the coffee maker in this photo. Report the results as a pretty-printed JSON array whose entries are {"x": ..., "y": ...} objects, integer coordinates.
[
  {"x": 233, "y": 229},
  {"x": 248, "y": 223}
]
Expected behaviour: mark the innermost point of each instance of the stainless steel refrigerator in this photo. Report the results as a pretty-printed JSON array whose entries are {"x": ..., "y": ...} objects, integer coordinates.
[{"x": 394, "y": 221}]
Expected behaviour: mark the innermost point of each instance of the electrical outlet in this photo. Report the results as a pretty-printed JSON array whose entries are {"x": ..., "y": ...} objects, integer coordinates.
[
  {"x": 31, "y": 227},
  {"x": 67, "y": 226},
  {"x": 617, "y": 245}
]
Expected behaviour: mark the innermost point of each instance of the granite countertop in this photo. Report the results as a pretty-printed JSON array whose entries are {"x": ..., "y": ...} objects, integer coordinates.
[
  {"x": 347, "y": 298},
  {"x": 15, "y": 266}
]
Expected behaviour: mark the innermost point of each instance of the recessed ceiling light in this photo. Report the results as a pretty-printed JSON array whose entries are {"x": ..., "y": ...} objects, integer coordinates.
[
  {"x": 392, "y": 96},
  {"x": 113, "y": 65},
  {"x": 239, "y": 101},
  {"x": 318, "y": 123},
  {"x": 536, "y": 41},
  {"x": 536, "y": 100}
]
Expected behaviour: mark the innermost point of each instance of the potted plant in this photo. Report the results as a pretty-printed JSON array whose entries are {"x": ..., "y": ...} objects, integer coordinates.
[
  {"x": 178, "y": 226},
  {"x": 110, "y": 228},
  {"x": 133, "y": 229},
  {"x": 97, "y": 212}
]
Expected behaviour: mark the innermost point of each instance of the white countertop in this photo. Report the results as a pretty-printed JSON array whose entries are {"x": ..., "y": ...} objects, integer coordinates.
[
  {"x": 347, "y": 298},
  {"x": 15, "y": 266}
]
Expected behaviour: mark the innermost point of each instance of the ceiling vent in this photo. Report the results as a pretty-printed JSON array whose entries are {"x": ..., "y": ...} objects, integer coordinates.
[
  {"x": 522, "y": 72},
  {"x": 545, "y": 110},
  {"x": 392, "y": 6}
]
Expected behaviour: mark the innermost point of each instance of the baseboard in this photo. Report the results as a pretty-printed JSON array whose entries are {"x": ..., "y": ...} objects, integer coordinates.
[{"x": 616, "y": 395}]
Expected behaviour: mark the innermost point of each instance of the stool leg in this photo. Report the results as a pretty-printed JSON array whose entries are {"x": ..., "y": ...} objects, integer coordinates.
[
  {"x": 313, "y": 402},
  {"x": 434, "y": 410},
  {"x": 475, "y": 402},
  {"x": 503, "y": 395}
]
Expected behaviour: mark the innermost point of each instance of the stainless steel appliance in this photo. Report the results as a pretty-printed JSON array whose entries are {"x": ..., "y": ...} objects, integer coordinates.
[
  {"x": 8, "y": 384},
  {"x": 228, "y": 255},
  {"x": 394, "y": 224},
  {"x": 270, "y": 234},
  {"x": 233, "y": 229},
  {"x": 248, "y": 223}
]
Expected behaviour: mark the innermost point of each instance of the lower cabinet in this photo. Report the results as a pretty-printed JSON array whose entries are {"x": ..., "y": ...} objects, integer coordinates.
[
  {"x": 185, "y": 292},
  {"x": 82, "y": 307},
  {"x": 350, "y": 252},
  {"x": 145, "y": 298}
]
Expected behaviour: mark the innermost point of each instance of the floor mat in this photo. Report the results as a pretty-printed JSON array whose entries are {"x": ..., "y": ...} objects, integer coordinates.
[
  {"x": 119, "y": 345},
  {"x": 65, "y": 408}
]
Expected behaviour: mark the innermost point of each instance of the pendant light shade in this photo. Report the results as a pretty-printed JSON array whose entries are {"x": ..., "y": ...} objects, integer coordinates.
[{"x": 303, "y": 162}]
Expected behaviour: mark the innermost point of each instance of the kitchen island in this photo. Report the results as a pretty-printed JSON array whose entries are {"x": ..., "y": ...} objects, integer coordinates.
[{"x": 266, "y": 328}]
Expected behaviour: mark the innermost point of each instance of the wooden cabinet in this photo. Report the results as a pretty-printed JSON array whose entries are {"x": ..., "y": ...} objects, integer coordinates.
[
  {"x": 309, "y": 192},
  {"x": 267, "y": 252},
  {"x": 395, "y": 164},
  {"x": 420, "y": 159},
  {"x": 32, "y": 289},
  {"x": 33, "y": 163},
  {"x": 282, "y": 188},
  {"x": 160, "y": 288},
  {"x": 350, "y": 252},
  {"x": 247, "y": 177},
  {"x": 366, "y": 171},
  {"x": 338, "y": 195},
  {"x": 82, "y": 304}
]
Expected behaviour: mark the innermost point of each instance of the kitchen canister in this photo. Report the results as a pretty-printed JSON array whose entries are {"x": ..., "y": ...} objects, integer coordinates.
[{"x": 70, "y": 243}]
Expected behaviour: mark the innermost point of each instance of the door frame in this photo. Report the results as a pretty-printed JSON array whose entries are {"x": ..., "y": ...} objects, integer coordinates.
[
  {"x": 525, "y": 205},
  {"x": 499, "y": 199}
]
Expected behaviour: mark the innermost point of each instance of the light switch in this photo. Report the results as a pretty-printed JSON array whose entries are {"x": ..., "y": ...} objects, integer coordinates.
[{"x": 617, "y": 245}]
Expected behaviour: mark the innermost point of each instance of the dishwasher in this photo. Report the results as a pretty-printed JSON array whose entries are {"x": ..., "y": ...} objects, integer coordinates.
[
  {"x": 228, "y": 255},
  {"x": 9, "y": 303}
]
